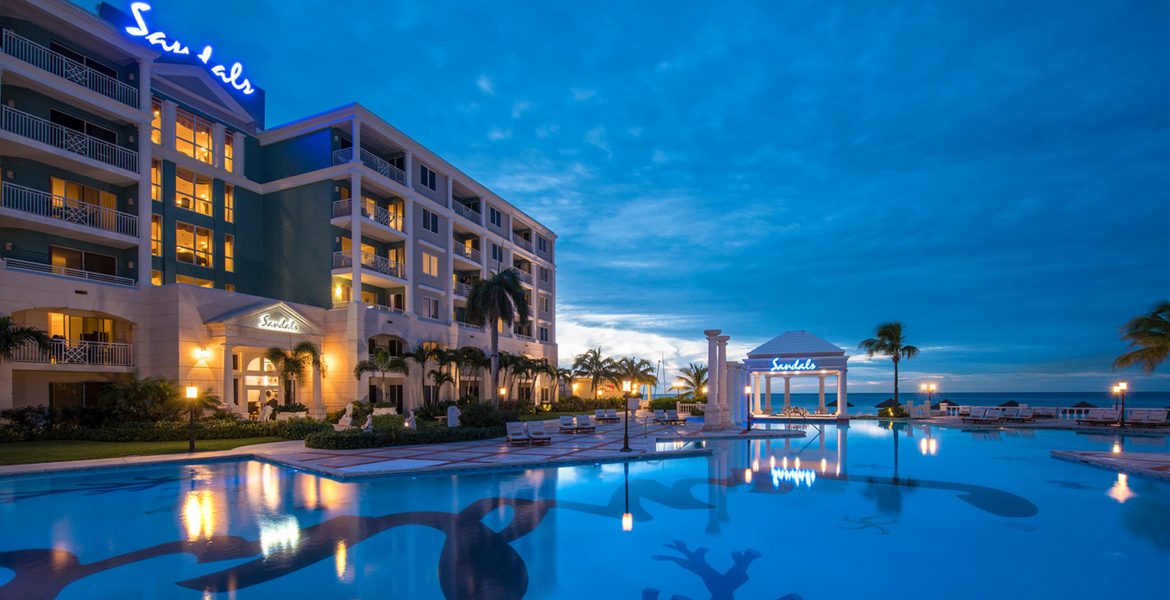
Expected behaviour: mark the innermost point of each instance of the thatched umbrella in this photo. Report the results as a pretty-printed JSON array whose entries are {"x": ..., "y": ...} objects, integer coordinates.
[
  {"x": 834, "y": 404},
  {"x": 1083, "y": 404},
  {"x": 887, "y": 403},
  {"x": 1009, "y": 403}
]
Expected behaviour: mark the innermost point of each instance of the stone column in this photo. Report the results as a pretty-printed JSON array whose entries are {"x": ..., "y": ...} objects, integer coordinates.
[
  {"x": 711, "y": 418},
  {"x": 842, "y": 395},
  {"x": 787, "y": 392},
  {"x": 724, "y": 389},
  {"x": 768, "y": 393},
  {"x": 229, "y": 375},
  {"x": 755, "y": 392},
  {"x": 317, "y": 410},
  {"x": 821, "y": 396},
  {"x": 355, "y": 215}
]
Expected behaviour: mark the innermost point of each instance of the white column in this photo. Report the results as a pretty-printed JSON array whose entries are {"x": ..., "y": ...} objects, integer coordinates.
[
  {"x": 768, "y": 394},
  {"x": 408, "y": 253},
  {"x": 821, "y": 396},
  {"x": 408, "y": 166},
  {"x": 168, "y": 124},
  {"x": 842, "y": 395},
  {"x": 787, "y": 392},
  {"x": 317, "y": 410},
  {"x": 755, "y": 392},
  {"x": 712, "y": 367},
  {"x": 145, "y": 208},
  {"x": 229, "y": 375},
  {"x": 724, "y": 389},
  {"x": 355, "y": 234},
  {"x": 449, "y": 267},
  {"x": 218, "y": 133},
  {"x": 238, "y": 141}
]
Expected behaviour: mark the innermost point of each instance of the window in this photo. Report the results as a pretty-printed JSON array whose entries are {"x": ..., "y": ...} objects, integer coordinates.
[
  {"x": 156, "y": 120},
  {"x": 193, "y": 136},
  {"x": 229, "y": 203},
  {"x": 193, "y": 192},
  {"x": 544, "y": 274},
  {"x": 229, "y": 152},
  {"x": 497, "y": 253},
  {"x": 68, "y": 258},
  {"x": 193, "y": 245},
  {"x": 544, "y": 303},
  {"x": 229, "y": 253},
  {"x": 156, "y": 278},
  {"x": 430, "y": 221},
  {"x": 82, "y": 126},
  {"x": 205, "y": 283},
  {"x": 81, "y": 59},
  {"x": 431, "y": 306},
  {"x": 229, "y": 287},
  {"x": 427, "y": 178},
  {"x": 544, "y": 334},
  {"x": 156, "y": 235},
  {"x": 156, "y": 180},
  {"x": 73, "y": 195},
  {"x": 494, "y": 217},
  {"x": 541, "y": 244},
  {"x": 430, "y": 264},
  {"x": 80, "y": 329}
]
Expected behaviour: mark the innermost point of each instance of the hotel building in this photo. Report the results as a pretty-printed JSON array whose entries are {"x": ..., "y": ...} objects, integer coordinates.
[{"x": 152, "y": 225}]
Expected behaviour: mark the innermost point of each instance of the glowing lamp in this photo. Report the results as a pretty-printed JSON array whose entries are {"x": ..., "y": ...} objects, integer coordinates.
[
  {"x": 192, "y": 392},
  {"x": 747, "y": 475},
  {"x": 503, "y": 391},
  {"x": 202, "y": 353},
  {"x": 1123, "y": 385},
  {"x": 747, "y": 389},
  {"x": 627, "y": 386},
  {"x": 627, "y": 522}
]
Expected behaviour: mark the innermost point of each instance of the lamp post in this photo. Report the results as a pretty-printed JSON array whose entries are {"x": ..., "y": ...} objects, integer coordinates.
[
  {"x": 503, "y": 393},
  {"x": 626, "y": 386},
  {"x": 1119, "y": 390},
  {"x": 747, "y": 392},
  {"x": 929, "y": 389},
  {"x": 192, "y": 394}
]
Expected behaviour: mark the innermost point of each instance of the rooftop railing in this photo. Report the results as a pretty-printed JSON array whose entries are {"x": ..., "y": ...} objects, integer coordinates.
[
  {"x": 14, "y": 264},
  {"x": 75, "y": 352},
  {"x": 41, "y": 130},
  {"x": 68, "y": 210},
  {"x": 69, "y": 69}
]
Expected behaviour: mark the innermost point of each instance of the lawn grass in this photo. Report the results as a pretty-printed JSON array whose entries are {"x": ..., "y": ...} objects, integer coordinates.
[{"x": 20, "y": 453}]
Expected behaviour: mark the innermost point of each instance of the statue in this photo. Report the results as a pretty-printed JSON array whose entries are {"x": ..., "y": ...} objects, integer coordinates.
[
  {"x": 410, "y": 421},
  {"x": 346, "y": 420},
  {"x": 265, "y": 414},
  {"x": 369, "y": 426}
]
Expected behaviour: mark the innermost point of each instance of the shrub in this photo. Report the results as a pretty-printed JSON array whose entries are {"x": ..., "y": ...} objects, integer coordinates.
[
  {"x": 893, "y": 412},
  {"x": 483, "y": 414},
  {"x": 429, "y": 410},
  {"x": 397, "y": 436},
  {"x": 30, "y": 417},
  {"x": 361, "y": 410},
  {"x": 298, "y": 429},
  {"x": 664, "y": 403},
  {"x": 294, "y": 407},
  {"x": 163, "y": 431},
  {"x": 578, "y": 404},
  {"x": 512, "y": 407}
]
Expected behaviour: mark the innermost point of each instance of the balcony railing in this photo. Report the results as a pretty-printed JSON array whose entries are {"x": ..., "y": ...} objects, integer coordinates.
[
  {"x": 460, "y": 288},
  {"x": 523, "y": 243},
  {"x": 467, "y": 212},
  {"x": 384, "y": 308},
  {"x": 44, "y": 204},
  {"x": 342, "y": 208},
  {"x": 381, "y": 264},
  {"x": 72, "y": 352},
  {"x": 466, "y": 325},
  {"x": 67, "y": 68},
  {"x": 41, "y": 130},
  {"x": 14, "y": 264},
  {"x": 372, "y": 161},
  {"x": 524, "y": 276},
  {"x": 472, "y": 254},
  {"x": 525, "y": 336}
]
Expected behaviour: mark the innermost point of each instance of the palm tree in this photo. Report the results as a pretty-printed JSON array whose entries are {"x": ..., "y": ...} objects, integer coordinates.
[
  {"x": 888, "y": 341},
  {"x": 440, "y": 378},
  {"x": 292, "y": 364},
  {"x": 13, "y": 337},
  {"x": 564, "y": 376},
  {"x": 637, "y": 371},
  {"x": 383, "y": 364},
  {"x": 1149, "y": 335},
  {"x": 595, "y": 366},
  {"x": 471, "y": 360},
  {"x": 693, "y": 378},
  {"x": 497, "y": 299},
  {"x": 146, "y": 399},
  {"x": 421, "y": 355}
]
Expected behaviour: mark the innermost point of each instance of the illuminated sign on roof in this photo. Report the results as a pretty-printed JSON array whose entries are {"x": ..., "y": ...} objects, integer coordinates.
[
  {"x": 796, "y": 365},
  {"x": 232, "y": 76}
]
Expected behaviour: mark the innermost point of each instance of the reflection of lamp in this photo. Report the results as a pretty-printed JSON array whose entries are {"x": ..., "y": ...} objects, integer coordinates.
[
  {"x": 1120, "y": 490},
  {"x": 626, "y": 386},
  {"x": 192, "y": 394},
  {"x": 627, "y": 517}
]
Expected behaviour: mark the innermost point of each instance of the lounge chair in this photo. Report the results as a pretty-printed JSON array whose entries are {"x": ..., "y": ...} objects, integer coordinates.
[
  {"x": 672, "y": 418},
  {"x": 568, "y": 425},
  {"x": 660, "y": 416},
  {"x": 1100, "y": 416},
  {"x": 964, "y": 411},
  {"x": 1009, "y": 413},
  {"x": 1147, "y": 417},
  {"x": 1157, "y": 417},
  {"x": 1137, "y": 416},
  {"x": 602, "y": 417},
  {"x": 536, "y": 433},
  {"x": 1022, "y": 415},
  {"x": 516, "y": 434},
  {"x": 975, "y": 414},
  {"x": 585, "y": 424},
  {"x": 1045, "y": 412},
  {"x": 611, "y": 414},
  {"x": 992, "y": 415}
]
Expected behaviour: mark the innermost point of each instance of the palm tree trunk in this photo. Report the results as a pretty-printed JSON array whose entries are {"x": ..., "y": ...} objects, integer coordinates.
[
  {"x": 895, "y": 379},
  {"x": 495, "y": 342}
]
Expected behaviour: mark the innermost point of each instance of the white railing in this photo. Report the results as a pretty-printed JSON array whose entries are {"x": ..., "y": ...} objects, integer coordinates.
[
  {"x": 44, "y": 204},
  {"x": 688, "y": 408},
  {"x": 1063, "y": 413},
  {"x": 471, "y": 326},
  {"x": 342, "y": 156},
  {"x": 14, "y": 264},
  {"x": 523, "y": 243},
  {"x": 373, "y": 262},
  {"x": 75, "y": 352},
  {"x": 526, "y": 336},
  {"x": 384, "y": 308},
  {"x": 41, "y": 130},
  {"x": 342, "y": 260},
  {"x": 460, "y": 288},
  {"x": 524, "y": 276},
  {"x": 467, "y": 212},
  {"x": 342, "y": 208},
  {"x": 67, "y": 68},
  {"x": 472, "y": 254},
  {"x": 372, "y": 161}
]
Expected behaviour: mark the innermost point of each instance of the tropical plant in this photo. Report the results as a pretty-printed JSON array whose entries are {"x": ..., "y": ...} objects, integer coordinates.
[
  {"x": 1149, "y": 336},
  {"x": 692, "y": 379},
  {"x": 595, "y": 366},
  {"x": 13, "y": 337},
  {"x": 497, "y": 299},
  {"x": 471, "y": 360},
  {"x": 382, "y": 364},
  {"x": 889, "y": 341},
  {"x": 421, "y": 356},
  {"x": 292, "y": 364},
  {"x": 440, "y": 378},
  {"x": 561, "y": 376},
  {"x": 638, "y": 371},
  {"x": 138, "y": 400}
]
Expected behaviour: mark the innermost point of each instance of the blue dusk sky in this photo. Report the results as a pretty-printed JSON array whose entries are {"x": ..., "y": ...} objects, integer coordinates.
[{"x": 995, "y": 175}]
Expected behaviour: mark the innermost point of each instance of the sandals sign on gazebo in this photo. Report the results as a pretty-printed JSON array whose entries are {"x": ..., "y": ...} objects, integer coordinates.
[{"x": 795, "y": 354}]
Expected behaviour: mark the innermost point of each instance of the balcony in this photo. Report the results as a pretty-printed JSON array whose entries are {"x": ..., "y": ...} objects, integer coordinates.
[
  {"x": 381, "y": 216},
  {"x": 462, "y": 251},
  {"x": 523, "y": 243},
  {"x": 469, "y": 326},
  {"x": 524, "y": 276},
  {"x": 460, "y": 289},
  {"x": 467, "y": 212},
  {"x": 373, "y": 262},
  {"x": 45, "y": 59},
  {"x": 41, "y": 130},
  {"x": 13, "y": 264},
  {"x": 73, "y": 352},
  {"x": 372, "y": 161},
  {"x": 66, "y": 210}
]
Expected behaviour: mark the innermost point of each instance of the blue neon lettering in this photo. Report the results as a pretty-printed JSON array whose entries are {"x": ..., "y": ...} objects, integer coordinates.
[
  {"x": 234, "y": 77},
  {"x": 796, "y": 365}
]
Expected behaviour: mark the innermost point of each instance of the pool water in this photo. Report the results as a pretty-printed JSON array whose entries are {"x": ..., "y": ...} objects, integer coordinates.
[{"x": 859, "y": 511}]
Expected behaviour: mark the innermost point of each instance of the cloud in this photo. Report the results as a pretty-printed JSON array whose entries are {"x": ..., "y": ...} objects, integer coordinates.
[
  {"x": 485, "y": 85},
  {"x": 659, "y": 157},
  {"x": 544, "y": 131},
  {"x": 496, "y": 134},
  {"x": 519, "y": 107},
  {"x": 596, "y": 137},
  {"x": 580, "y": 94}
]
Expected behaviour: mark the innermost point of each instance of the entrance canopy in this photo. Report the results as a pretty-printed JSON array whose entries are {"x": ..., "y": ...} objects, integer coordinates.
[{"x": 795, "y": 354}]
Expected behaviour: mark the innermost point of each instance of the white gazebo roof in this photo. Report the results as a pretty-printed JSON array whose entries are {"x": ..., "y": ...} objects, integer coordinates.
[{"x": 796, "y": 344}]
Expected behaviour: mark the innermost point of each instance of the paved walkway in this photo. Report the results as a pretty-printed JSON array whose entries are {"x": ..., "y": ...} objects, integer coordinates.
[
  {"x": 1151, "y": 464},
  {"x": 604, "y": 445}
]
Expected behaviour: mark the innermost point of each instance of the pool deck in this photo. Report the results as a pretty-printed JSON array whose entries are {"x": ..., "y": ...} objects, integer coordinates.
[
  {"x": 604, "y": 445},
  {"x": 1150, "y": 464},
  {"x": 1043, "y": 424}
]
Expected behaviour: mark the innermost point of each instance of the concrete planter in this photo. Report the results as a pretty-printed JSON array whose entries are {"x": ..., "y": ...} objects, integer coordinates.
[{"x": 284, "y": 416}]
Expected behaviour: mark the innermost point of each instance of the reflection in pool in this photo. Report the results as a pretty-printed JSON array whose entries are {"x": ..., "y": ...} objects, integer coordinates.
[{"x": 812, "y": 517}]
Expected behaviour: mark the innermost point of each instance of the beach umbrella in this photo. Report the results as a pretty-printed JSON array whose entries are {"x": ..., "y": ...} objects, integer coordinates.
[
  {"x": 1083, "y": 404},
  {"x": 887, "y": 403},
  {"x": 1010, "y": 403},
  {"x": 834, "y": 404}
]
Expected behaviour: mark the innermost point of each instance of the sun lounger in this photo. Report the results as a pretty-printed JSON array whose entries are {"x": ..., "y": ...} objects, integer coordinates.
[
  {"x": 516, "y": 433},
  {"x": 584, "y": 424},
  {"x": 1157, "y": 417},
  {"x": 964, "y": 410},
  {"x": 602, "y": 417},
  {"x": 1045, "y": 412},
  {"x": 1100, "y": 416},
  {"x": 1022, "y": 415},
  {"x": 1147, "y": 417},
  {"x": 660, "y": 416},
  {"x": 975, "y": 414},
  {"x": 537, "y": 434},
  {"x": 611, "y": 413},
  {"x": 672, "y": 418},
  {"x": 568, "y": 425}
]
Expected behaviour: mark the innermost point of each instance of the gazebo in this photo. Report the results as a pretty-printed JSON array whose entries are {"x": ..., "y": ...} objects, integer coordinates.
[{"x": 795, "y": 354}]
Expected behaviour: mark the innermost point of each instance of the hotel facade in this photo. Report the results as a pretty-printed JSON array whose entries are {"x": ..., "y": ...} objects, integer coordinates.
[{"x": 152, "y": 225}]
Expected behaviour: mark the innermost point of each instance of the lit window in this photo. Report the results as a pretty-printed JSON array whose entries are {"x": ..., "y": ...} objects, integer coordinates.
[
  {"x": 156, "y": 235},
  {"x": 206, "y": 283},
  {"x": 229, "y": 287},
  {"x": 156, "y": 278},
  {"x": 229, "y": 152},
  {"x": 430, "y": 264},
  {"x": 427, "y": 178},
  {"x": 229, "y": 203},
  {"x": 193, "y": 136},
  {"x": 156, "y": 180},
  {"x": 229, "y": 253},
  {"x": 193, "y": 245},
  {"x": 193, "y": 192},
  {"x": 72, "y": 195},
  {"x": 156, "y": 120}
]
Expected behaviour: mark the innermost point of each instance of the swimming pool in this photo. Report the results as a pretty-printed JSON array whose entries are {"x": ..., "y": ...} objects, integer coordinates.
[{"x": 842, "y": 513}]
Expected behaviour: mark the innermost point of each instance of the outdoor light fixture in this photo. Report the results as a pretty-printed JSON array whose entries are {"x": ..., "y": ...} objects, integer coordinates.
[
  {"x": 202, "y": 353},
  {"x": 503, "y": 391},
  {"x": 192, "y": 393},
  {"x": 747, "y": 392},
  {"x": 1119, "y": 391},
  {"x": 627, "y": 385}
]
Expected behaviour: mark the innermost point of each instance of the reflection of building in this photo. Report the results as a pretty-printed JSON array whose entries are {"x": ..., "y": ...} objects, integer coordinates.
[{"x": 152, "y": 224}]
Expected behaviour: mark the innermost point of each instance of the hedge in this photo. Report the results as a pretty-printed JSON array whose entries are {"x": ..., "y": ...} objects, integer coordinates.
[
  {"x": 167, "y": 431},
  {"x": 578, "y": 404},
  {"x": 398, "y": 436}
]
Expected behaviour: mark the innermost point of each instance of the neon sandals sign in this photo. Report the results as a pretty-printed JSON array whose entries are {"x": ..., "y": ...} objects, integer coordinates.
[
  {"x": 796, "y": 365},
  {"x": 232, "y": 76}
]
